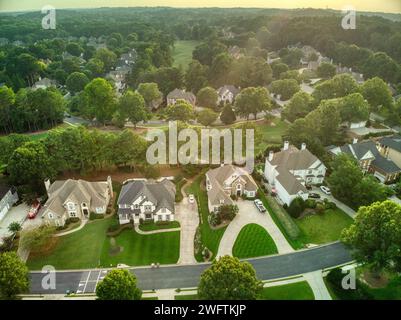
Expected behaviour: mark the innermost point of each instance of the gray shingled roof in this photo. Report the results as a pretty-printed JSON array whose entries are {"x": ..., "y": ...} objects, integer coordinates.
[
  {"x": 394, "y": 142},
  {"x": 162, "y": 194}
]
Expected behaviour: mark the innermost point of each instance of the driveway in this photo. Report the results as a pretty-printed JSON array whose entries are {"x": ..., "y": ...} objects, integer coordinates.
[
  {"x": 187, "y": 215},
  {"x": 15, "y": 214},
  {"x": 248, "y": 213},
  {"x": 338, "y": 203}
]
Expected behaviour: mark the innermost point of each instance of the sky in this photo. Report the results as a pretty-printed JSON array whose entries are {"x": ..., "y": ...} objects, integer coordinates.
[{"x": 393, "y": 6}]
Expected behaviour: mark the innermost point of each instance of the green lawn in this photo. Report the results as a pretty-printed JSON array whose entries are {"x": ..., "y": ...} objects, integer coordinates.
[
  {"x": 391, "y": 292},
  {"x": 271, "y": 134},
  {"x": 210, "y": 238},
  {"x": 182, "y": 52},
  {"x": 156, "y": 226},
  {"x": 78, "y": 250},
  {"x": 253, "y": 241},
  {"x": 139, "y": 250},
  {"x": 323, "y": 228},
  {"x": 293, "y": 291},
  {"x": 186, "y": 297}
]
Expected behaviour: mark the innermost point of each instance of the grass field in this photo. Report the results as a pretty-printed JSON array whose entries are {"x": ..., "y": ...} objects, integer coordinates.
[
  {"x": 155, "y": 226},
  {"x": 293, "y": 291},
  {"x": 253, "y": 241},
  {"x": 77, "y": 250},
  {"x": 323, "y": 228},
  {"x": 186, "y": 297},
  {"x": 210, "y": 238},
  {"x": 182, "y": 52},
  {"x": 139, "y": 250},
  {"x": 271, "y": 134}
]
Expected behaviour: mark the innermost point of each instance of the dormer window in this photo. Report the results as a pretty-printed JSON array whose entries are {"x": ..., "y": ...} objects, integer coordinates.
[
  {"x": 136, "y": 206},
  {"x": 71, "y": 206},
  {"x": 50, "y": 215}
]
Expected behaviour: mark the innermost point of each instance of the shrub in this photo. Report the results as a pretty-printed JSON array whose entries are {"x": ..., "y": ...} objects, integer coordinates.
[
  {"x": 320, "y": 207},
  {"x": 330, "y": 206},
  {"x": 72, "y": 220},
  {"x": 228, "y": 212},
  {"x": 214, "y": 219},
  {"x": 297, "y": 206},
  {"x": 94, "y": 216},
  {"x": 310, "y": 204}
]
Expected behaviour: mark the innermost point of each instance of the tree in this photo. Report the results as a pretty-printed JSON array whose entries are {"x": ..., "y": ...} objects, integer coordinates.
[
  {"x": 229, "y": 279},
  {"x": 296, "y": 207},
  {"x": 196, "y": 76},
  {"x": 375, "y": 236},
  {"x": 14, "y": 227},
  {"x": 108, "y": 58},
  {"x": 7, "y": 99},
  {"x": 74, "y": 49},
  {"x": 298, "y": 107},
  {"x": 150, "y": 93},
  {"x": 381, "y": 65},
  {"x": 14, "y": 278},
  {"x": 76, "y": 82},
  {"x": 227, "y": 115},
  {"x": 340, "y": 86},
  {"x": 181, "y": 110},
  {"x": 377, "y": 93},
  {"x": 118, "y": 284},
  {"x": 278, "y": 69},
  {"x": 129, "y": 149},
  {"x": 99, "y": 100},
  {"x": 207, "y": 97},
  {"x": 285, "y": 88},
  {"x": 250, "y": 72},
  {"x": 132, "y": 106},
  {"x": 251, "y": 101},
  {"x": 354, "y": 108},
  {"x": 95, "y": 66},
  {"x": 207, "y": 117},
  {"x": 326, "y": 70},
  {"x": 37, "y": 238},
  {"x": 219, "y": 73}
]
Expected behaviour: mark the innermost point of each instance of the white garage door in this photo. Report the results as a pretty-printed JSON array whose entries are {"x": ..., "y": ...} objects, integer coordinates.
[{"x": 4, "y": 211}]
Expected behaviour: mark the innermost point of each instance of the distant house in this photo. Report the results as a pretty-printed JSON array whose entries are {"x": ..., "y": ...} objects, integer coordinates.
[
  {"x": 390, "y": 148},
  {"x": 314, "y": 65},
  {"x": 118, "y": 77},
  {"x": 75, "y": 199},
  {"x": 142, "y": 200},
  {"x": 227, "y": 181},
  {"x": 44, "y": 83},
  {"x": 179, "y": 94},
  {"x": 291, "y": 170},
  {"x": 235, "y": 52},
  {"x": 227, "y": 93},
  {"x": 8, "y": 197},
  {"x": 345, "y": 70},
  {"x": 372, "y": 158}
]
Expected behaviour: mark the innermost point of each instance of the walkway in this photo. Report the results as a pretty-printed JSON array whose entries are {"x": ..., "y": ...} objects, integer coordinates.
[
  {"x": 83, "y": 223},
  {"x": 247, "y": 214},
  {"x": 315, "y": 281},
  {"x": 154, "y": 231}
]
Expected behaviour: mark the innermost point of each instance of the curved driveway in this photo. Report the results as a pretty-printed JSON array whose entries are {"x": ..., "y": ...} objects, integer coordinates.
[{"x": 187, "y": 276}]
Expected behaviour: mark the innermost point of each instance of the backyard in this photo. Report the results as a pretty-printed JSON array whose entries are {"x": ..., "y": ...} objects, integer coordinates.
[
  {"x": 182, "y": 52},
  {"x": 210, "y": 237},
  {"x": 323, "y": 228},
  {"x": 253, "y": 241},
  {"x": 271, "y": 133}
]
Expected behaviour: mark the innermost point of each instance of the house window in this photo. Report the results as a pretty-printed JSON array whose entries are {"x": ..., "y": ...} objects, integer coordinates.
[
  {"x": 148, "y": 208},
  {"x": 73, "y": 214},
  {"x": 71, "y": 206},
  {"x": 136, "y": 206},
  {"x": 51, "y": 216},
  {"x": 238, "y": 187},
  {"x": 148, "y": 216}
]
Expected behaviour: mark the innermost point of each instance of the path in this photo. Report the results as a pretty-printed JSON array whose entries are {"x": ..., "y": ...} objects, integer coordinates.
[
  {"x": 154, "y": 231},
  {"x": 247, "y": 214},
  {"x": 83, "y": 223},
  {"x": 315, "y": 281}
]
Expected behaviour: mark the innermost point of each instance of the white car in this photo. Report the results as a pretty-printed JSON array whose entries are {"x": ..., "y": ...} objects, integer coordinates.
[
  {"x": 191, "y": 198},
  {"x": 259, "y": 205},
  {"x": 325, "y": 190}
]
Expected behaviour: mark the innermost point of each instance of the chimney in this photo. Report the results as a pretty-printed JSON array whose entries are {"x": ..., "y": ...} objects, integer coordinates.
[
  {"x": 47, "y": 185},
  {"x": 355, "y": 141},
  {"x": 286, "y": 145},
  {"x": 271, "y": 154},
  {"x": 303, "y": 146},
  {"x": 110, "y": 185}
]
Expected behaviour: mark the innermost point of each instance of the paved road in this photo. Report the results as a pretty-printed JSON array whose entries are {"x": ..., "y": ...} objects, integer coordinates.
[{"x": 267, "y": 268}]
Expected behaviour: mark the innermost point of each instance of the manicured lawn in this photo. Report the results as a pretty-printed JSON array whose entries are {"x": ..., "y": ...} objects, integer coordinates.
[
  {"x": 271, "y": 134},
  {"x": 156, "y": 226},
  {"x": 323, "y": 228},
  {"x": 391, "y": 292},
  {"x": 293, "y": 291},
  {"x": 78, "y": 250},
  {"x": 139, "y": 250},
  {"x": 182, "y": 52},
  {"x": 210, "y": 238},
  {"x": 186, "y": 297},
  {"x": 253, "y": 241}
]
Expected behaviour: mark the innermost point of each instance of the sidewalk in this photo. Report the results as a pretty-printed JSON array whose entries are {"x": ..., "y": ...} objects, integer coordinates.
[{"x": 315, "y": 280}]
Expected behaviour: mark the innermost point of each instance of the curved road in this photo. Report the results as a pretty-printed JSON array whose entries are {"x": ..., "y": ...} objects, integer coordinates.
[{"x": 187, "y": 276}]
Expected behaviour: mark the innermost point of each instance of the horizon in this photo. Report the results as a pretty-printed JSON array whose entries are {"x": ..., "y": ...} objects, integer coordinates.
[{"x": 377, "y": 6}]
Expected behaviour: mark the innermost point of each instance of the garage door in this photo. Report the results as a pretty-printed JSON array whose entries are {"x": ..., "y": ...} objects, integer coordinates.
[{"x": 4, "y": 211}]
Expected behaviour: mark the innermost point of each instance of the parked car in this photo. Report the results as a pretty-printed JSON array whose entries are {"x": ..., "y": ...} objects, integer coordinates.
[
  {"x": 259, "y": 205},
  {"x": 191, "y": 198},
  {"x": 314, "y": 195},
  {"x": 33, "y": 211},
  {"x": 325, "y": 190}
]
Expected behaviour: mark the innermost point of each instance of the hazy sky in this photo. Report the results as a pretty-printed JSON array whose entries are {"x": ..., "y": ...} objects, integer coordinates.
[{"x": 363, "y": 5}]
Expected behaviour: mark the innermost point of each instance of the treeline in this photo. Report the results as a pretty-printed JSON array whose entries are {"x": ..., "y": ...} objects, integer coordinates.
[{"x": 77, "y": 149}]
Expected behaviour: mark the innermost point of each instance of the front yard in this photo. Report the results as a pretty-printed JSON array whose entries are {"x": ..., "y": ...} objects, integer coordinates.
[
  {"x": 323, "y": 228},
  {"x": 294, "y": 291},
  {"x": 253, "y": 241},
  {"x": 210, "y": 237}
]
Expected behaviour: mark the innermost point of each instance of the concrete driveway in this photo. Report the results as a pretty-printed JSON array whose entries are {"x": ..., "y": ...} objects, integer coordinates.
[
  {"x": 187, "y": 215},
  {"x": 248, "y": 213},
  {"x": 338, "y": 203},
  {"x": 15, "y": 214}
]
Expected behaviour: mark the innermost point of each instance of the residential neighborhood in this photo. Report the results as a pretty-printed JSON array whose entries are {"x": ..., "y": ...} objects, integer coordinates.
[{"x": 218, "y": 154}]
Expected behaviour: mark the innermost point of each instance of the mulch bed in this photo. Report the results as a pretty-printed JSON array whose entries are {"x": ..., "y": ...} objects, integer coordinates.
[{"x": 373, "y": 281}]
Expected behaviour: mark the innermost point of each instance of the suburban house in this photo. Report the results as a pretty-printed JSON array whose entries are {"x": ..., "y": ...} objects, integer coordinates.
[
  {"x": 8, "y": 197},
  {"x": 179, "y": 94},
  {"x": 235, "y": 52},
  {"x": 75, "y": 199},
  {"x": 289, "y": 172},
  {"x": 314, "y": 65},
  {"x": 372, "y": 158},
  {"x": 44, "y": 83},
  {"x": 142, "y": 200},
  {"x": 357, "y": 76},
  {"x": 227, "y": 93},
  {"x": 227, "y": 181}
]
